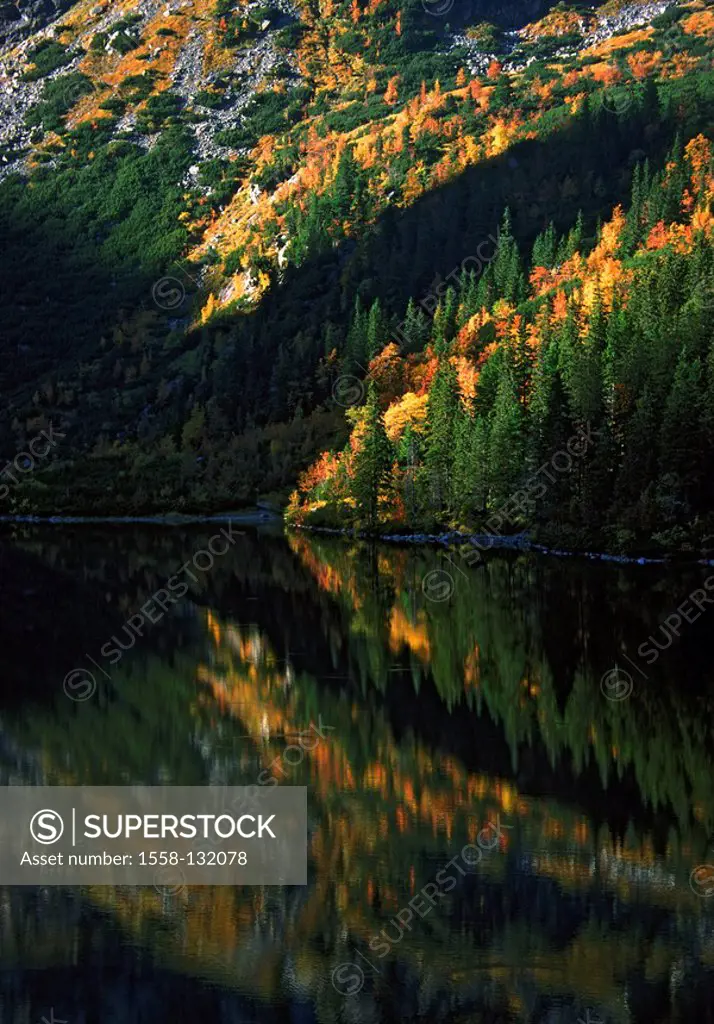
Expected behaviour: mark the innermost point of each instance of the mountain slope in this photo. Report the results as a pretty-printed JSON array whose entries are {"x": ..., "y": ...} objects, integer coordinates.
[
  {"x": 579, "y": 398},
  {"x": 196, "y": 194}
]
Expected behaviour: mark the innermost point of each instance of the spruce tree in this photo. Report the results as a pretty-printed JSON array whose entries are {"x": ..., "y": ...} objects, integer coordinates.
[
  {"x": 507, "y": 272},
  {"x": 462, "y": 482},
  {"x": 506, "y": 439},
  {"x": 680, "y": 440},
  {"x": 357, "y": 357},
  {"x": 377, "y": 330},
  {"x": 439, "y": 449},
  {"x": 544, "y": 248},
  {"x": 480, "y": 464},
  {"x": 415, "y": 329},
  {"x": 707, "y": 432},
  {"x": 372, "y": 462}
]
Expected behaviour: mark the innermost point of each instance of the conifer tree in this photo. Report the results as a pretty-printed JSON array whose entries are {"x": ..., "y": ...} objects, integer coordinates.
[
  {"x": 408, "y": 454},
  {"x": 439, "y": 449},
  {"x": 638, "y": 464},
  {"x": 372, "y": 462},
  {"x": 544, "y": 248},
  {"x": 506, "y": 438},
  {"x": 377, "y": 330},
  {"x": 507, "y": 272},
  {"x": 480, "y": 464},
  {"x": 415, "y": 329},
  {"x": 572, "y": 242},
  {"x": 357, "y": 357},
  {"x": 469, "y": 299},
  {"x": 462, "y": 483},
  {"x": 707, "y": 431},
  {"x": 680, "y": 432}
]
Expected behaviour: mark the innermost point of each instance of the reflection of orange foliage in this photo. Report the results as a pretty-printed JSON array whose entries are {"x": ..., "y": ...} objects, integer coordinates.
[
  {"x": 405, "y": 633},
  {"x": 472, "y": 669}
]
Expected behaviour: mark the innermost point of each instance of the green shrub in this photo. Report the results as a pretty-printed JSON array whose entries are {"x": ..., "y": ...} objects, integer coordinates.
[
  {"x": 47, "y": 57},
  {"x": 212, "y": 100},
  {"x": 58, "y": 97},
  {"x": 160, "y": 111}
]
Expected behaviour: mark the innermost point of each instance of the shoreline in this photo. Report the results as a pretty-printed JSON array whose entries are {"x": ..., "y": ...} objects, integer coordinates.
[
  {"x": 264, "y": 517},
  {"x": 253, "y": 517},
  {"x": 515, "y": 542}
]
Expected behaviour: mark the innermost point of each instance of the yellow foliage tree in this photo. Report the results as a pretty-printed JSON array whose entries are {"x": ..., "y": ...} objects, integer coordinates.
[
  {"x": 208, "y": 309},
  {"x": 410, "y": 409}
]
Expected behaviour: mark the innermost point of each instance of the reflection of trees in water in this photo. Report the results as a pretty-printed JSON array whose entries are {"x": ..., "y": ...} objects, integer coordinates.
[
  {"x": 567, "y": 907},
  {"x": 528, "y": 641}
]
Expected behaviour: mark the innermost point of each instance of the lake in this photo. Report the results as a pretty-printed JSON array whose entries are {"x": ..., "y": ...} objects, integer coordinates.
[{"x": 510, "y": 801}]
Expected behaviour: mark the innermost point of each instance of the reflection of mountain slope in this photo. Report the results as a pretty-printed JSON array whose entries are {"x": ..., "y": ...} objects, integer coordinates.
[
  {"x": 520, "y": 642},
  {"x": 386, "y": 822},
  {"x": 564, "y": 912}
]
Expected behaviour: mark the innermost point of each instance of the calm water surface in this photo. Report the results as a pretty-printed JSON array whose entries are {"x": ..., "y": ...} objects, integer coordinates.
[{"x": 444, "y": 716}]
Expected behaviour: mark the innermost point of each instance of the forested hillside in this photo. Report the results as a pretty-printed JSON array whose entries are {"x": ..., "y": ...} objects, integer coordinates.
[
  {"x": 221, "y": 219},
  {"x": 574, "y": 391}
]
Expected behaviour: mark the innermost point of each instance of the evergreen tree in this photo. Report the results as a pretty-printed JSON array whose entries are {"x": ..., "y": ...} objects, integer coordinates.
[
  {"x": 357, "y": 355},
  {"x": 462, "y": 482},
  {"x": 506, "y": 439},
  {"x": 480, "y": 464},
  {"x": 680, "y": 441},
  {"x": 507, "y": 271},
  {"x": 469, "y": 301},
  {"x": 445, "y": 321},
  {"x": 377, "y": 330},
  {"x": 408, "y": 454},
  {"x": 633, "y": 502},
  {"x": 415, "y": 329},
  {"x": 572, "y": 243},
  {"x": 707, "y": 432},
  {"x": 545, "y": 248},
  {"x": 439, "y": 449},
  {"x": 372, "y": 462}
]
